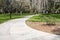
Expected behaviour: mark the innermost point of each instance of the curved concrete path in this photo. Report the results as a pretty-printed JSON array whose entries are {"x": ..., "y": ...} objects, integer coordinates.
[{"x": 16, "y": 29}]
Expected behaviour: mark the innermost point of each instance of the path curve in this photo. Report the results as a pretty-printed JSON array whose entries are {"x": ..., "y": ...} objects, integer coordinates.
[{"x": 16, "y": 29}]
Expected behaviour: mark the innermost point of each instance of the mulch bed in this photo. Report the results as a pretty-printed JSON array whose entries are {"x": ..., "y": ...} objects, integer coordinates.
[{"x": 42, "y": 26}]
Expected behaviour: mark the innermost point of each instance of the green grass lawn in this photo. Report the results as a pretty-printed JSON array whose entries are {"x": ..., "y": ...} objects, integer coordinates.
[
  {"x": 45, "y": 18},
  {"x": 6, "y": 17}
]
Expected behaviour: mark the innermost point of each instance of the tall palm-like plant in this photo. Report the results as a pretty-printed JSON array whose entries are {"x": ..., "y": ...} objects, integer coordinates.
[
  {"x": 1, "y": 5},
  {"x": 31, "y": 11},
  {"x": 50, "y": 5}
]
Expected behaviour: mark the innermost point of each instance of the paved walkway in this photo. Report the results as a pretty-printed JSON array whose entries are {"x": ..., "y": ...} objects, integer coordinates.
[{"x": 17, "y": 30}]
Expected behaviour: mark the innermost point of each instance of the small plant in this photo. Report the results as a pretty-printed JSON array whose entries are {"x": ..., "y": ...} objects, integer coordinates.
[{"x": 50, "y": 20}]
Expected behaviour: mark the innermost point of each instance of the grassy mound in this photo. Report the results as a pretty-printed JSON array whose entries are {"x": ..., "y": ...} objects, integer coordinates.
[{"x": 45, "y": 18}]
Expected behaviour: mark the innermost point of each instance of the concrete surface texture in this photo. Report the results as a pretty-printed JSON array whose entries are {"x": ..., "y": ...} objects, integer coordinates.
[{"x": 17, "y": 29}]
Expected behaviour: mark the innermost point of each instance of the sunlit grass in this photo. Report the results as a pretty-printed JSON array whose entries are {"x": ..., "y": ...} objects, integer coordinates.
[
  {"x": 6, "y": 17},
  {"x": 45, "y": 18}
]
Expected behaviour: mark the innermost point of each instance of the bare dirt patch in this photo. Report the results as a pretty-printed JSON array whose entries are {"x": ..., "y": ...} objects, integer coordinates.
[{"x": 41, "y": 26}]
